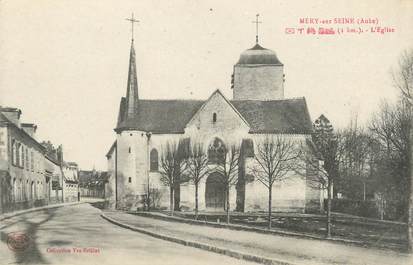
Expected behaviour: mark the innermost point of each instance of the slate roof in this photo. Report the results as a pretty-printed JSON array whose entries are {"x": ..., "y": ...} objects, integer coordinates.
[
  {"x": 122, "y": 110},
  {"x": 259, "y": 55},
  {"x": 276, "y": 116},
  {"x": 5, "y": 120},
  {"x": 162, "y": 116},
  {"x": 112, "y": 147},
  {"x": 171, "y": 116}
]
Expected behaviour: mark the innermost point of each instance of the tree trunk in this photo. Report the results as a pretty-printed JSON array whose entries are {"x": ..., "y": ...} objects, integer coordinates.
[
  {"x": 328, "y": 228},
  {"x": 228, "y": 221},
  {"x": 196, "y": 201},
  {"x": 171, "y": 199},
  {"x": 149, "y": 197},
  {"x": 410, "y": 209},
  {"x": 364, "y": 190},
  {"x": 269, "y": 206},
  {"x": 240, "y": 187},
  {"x": 177, "y": 196}
]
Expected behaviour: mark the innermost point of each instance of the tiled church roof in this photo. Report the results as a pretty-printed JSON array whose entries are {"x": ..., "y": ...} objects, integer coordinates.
[
  {"x": 275, "y": 116},
  {"x": 171, "y": 116},
  {"x": 162, "y": 116}
]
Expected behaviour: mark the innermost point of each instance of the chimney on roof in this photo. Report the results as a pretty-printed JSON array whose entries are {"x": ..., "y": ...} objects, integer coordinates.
[
  {"x": 30, "y": 129},
  {"x": 13, "y": 114},
  {"x": 59, "y": 152}
]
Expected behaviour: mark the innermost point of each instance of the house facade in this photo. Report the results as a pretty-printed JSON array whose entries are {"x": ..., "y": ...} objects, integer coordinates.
[
  {"x": 71, "y": 190},
  {"x": 23, "y": 181},
  {"x": 29, "y": 175}
]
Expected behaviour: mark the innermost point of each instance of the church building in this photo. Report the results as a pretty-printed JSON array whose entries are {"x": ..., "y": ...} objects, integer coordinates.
[{"x": 257, "y": 109}]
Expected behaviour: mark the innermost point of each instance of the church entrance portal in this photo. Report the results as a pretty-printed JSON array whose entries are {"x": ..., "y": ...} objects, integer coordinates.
[{"x": 214, "y": 192}]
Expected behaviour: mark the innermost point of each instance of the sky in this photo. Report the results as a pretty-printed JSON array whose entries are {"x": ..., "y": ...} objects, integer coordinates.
[{"x": 64, "y": 63}]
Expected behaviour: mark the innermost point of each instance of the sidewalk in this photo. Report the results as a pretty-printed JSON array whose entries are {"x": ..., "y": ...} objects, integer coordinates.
[
  {"x": 280, "y": 249},
  {"x": 16, "y": 213}
]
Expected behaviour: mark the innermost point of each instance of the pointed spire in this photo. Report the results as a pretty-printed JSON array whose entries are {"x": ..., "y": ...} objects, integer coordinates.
[{"x": 132, "y": 86}]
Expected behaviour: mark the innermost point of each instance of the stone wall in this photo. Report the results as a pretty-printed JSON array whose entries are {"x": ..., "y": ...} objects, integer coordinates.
[
  {"x": 258, "y": 82},
  {"x": 229, "y": 125},
  {"x": 110, "y": 186},
  {"x": 27, "y": 175}
]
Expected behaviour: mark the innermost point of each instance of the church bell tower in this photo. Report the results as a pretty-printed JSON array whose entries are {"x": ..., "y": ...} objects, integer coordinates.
[{"x": 258, "y": 74}]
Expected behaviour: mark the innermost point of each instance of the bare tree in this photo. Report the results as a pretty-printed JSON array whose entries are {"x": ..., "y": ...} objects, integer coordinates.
[
  {"x": 324, "y": 147},
  {"x": 197, "y": 168},
  {"x": 147, "y": 197},
  {"x": 403, "y": 75},
  {"x": 403, "y": 80},
  {"x": 173, "y": 165},
  {"x": 227, "y": 168},
  {"x": 355, "y": 161},
  {"x": 152, "y": 197},
  {"x": 274, "y": 159}
]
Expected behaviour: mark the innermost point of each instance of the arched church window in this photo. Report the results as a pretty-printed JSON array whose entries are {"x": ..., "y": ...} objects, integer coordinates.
[
  {"x": 154, "y": 164},
  {"x": 214, "y": 117},
  {"x": 216, "y": 151}
]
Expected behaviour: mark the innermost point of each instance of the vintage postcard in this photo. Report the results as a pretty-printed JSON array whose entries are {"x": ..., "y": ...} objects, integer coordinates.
[{"x": 206, "y": 132}]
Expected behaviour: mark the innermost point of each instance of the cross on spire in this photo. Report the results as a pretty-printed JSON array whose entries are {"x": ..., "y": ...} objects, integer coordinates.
[
  {"x": 132, "y": 21},
  {"x": 256, "y": 22}
]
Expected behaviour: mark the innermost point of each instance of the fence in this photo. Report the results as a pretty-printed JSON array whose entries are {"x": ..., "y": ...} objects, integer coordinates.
[{"x": 390, "y": 210}]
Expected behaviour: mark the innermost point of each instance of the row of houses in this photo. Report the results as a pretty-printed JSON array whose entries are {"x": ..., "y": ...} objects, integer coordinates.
[
  {"x": 92, "y": 183},
  {"x": 32, "y": 173}
]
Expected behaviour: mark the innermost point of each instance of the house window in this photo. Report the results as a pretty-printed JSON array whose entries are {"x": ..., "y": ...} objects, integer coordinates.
[
  {"x": 32, "y": 161},
  {"x": 18, "y": 154},
  {"x": 32, "y": 191},
  {"x": 154, "y": 160},
  {"x": 15, "y": 189},
  {"x": 130, "y": 180},
  {"x": 214, "y": 117},
  {"x": 27, "y": 158},
  {"x": 23, "y": 157},
  {"x": 14, "y": 152},
  {"x": 20, "y": 191}
]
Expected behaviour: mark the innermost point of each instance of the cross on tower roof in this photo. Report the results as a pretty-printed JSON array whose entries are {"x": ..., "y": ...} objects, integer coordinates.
[
  {"x": 256, "y": 25},
  {"x": 132, "y": 21}
]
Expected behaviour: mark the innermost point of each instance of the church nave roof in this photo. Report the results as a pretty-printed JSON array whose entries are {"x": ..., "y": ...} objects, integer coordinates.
[{"x": 171, "y": 116}]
